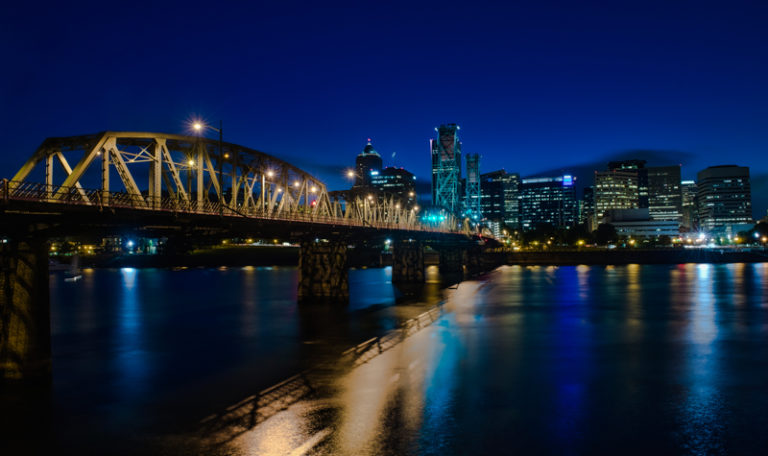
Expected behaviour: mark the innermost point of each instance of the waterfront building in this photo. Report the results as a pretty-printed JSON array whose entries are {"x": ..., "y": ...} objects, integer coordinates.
[
  {"x": 472, "y": 201},
  {"x": 690, "y": 216},
  {"x": 623, "y": 186},
  {"x": 665, "y": 199},
  {"x": 638, "y": 223},
  {"x": 397, "y": 181},
  {"x": 446, "y": 168},
  {"x": 724, "y": 196},
  {"x": 547, "y": 200},
  {"x": 367, "y": 164}
]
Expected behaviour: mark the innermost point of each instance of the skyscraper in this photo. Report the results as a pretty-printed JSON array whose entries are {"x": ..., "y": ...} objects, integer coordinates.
[
  {"x": 724, "y": 196},
  {"x": 368, "y": 161},
  {"x": 665, "y": 200},
  {"x": 472, "y": 188},
  {"x": 547, "y": 200},
  {"x": 499, "y": 197},
  {"x": 446, "y": 168}
]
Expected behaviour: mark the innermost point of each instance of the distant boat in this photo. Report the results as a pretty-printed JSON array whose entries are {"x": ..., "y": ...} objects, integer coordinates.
[{"x": 73, "y": 273}]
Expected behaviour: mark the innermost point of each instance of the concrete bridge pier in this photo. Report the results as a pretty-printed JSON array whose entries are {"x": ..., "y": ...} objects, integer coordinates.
[
  {"x": 472, "y": 260},
  {"x": 323, "y": 272},
  {"x": 451, "y": 260},
  {"x": 408, "y": 262},
  {"x": 25, "y": 317}
]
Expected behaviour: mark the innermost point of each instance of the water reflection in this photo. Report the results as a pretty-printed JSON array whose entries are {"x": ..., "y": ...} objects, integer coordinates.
[
  {"x": 530, "y": 360},
  {"x": 131, "y": 358},
  {"x": 700, "y": 415}
]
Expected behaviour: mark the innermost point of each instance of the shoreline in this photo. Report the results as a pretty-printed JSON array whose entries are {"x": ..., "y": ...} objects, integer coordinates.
[{"x": 289, "y": 256}]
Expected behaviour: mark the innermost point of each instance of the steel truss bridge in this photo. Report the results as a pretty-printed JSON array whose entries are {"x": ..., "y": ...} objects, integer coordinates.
[
  {"x": 166, "y": 173},
  {"x": 182, "y": 186}
]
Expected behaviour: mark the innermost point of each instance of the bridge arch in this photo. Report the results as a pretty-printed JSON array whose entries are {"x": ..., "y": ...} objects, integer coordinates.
[{"x": 160, "y": 170}]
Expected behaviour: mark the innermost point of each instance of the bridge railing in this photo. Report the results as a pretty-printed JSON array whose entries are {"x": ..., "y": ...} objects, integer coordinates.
[{"x": 75, "y": 195}]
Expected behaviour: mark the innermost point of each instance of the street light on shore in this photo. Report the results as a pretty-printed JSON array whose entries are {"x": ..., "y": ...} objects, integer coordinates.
[{"x": 199, "y": 127}]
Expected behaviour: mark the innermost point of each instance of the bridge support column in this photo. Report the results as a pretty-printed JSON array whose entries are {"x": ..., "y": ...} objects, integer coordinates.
[
  {"x": 407, "y": 262},
  {"x": 25, "y": 321},
  {"x": 472, "y": 261},
  {"x": 451, "y": 260},
  {"x": 323, "y": 271}
]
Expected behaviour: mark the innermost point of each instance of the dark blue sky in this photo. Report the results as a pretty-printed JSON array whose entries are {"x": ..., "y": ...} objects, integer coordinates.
[{"x": 535, "y": 86}]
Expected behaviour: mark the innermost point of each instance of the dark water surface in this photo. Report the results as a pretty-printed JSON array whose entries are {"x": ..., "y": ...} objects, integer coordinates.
[
  {"x": 572, "y": 360},
  {"x": 527, "y": 360}
]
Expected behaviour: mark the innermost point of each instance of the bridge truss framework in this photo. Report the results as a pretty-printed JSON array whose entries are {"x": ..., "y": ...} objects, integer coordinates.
[{"x": 166, "y": 172}]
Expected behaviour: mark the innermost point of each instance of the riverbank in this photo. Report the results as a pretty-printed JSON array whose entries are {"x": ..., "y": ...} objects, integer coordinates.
[
  {"x": 638, "y": 256},
  {"x": 268, "y": 255}
]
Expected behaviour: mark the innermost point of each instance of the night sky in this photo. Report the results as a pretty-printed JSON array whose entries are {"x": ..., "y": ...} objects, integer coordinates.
[{"x": 537, "y": 87}]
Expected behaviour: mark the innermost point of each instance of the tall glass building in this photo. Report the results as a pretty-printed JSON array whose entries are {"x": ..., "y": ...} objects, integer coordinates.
[
  {"x": 548, "y": 200},
  {"x": 499, "y": 197}
]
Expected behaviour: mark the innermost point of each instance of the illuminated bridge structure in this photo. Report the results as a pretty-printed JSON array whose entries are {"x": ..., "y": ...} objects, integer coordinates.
[{"x": 166, "y": 185}]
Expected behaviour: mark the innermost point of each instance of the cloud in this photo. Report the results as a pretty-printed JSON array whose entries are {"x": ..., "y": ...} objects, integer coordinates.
[{"x": 584, "y": 172}]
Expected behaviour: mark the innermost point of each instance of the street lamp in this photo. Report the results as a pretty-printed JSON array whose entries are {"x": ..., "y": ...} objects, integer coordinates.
[
  {"x": 199, "y": 127},
  {"x": 269, "y": 174}
]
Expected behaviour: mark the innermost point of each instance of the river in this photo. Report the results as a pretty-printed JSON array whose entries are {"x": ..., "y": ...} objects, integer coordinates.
[{"x": 546, "y": 360}]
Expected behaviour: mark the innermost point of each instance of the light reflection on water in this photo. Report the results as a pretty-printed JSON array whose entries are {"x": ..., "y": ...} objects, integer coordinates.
[
  {"x": 633, "y": 359},
  {"x": 576, "y": 360}
]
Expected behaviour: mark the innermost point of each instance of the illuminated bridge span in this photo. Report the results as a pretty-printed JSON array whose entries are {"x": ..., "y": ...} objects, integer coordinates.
[
  {"x": 187, "y": 187},
  {"x": 191, "y": 175}
]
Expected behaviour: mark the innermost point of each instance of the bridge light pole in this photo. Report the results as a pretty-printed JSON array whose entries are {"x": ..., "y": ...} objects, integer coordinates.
[
  {"x": 269, "y": 174},
  {"x": 199, "y": 126}
]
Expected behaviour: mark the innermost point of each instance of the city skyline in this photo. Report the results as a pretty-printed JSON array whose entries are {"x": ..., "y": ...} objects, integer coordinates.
[{"x": 538, "y": 89}]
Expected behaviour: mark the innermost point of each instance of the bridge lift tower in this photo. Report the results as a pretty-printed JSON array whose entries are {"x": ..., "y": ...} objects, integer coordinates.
[
  {"x": 472, "y": 195},
  {"x": 446, "y": 168}
]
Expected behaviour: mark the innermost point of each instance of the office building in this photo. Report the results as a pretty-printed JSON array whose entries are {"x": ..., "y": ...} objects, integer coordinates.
[
  {"x": 587, "y": 208},
  {"x": 396, "y": 181},
  {"x": 446, "y": 168},
  {"x": 724, "y": 196},
  {"x": 638, "y": 223},
  {"x": 690, "y": 216},
  {"x": 623, "y": 186},
  {"x": 547, "y": 201},
  {"x": 499, "y": 197},
  {"x": 665, "y": 199}
]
